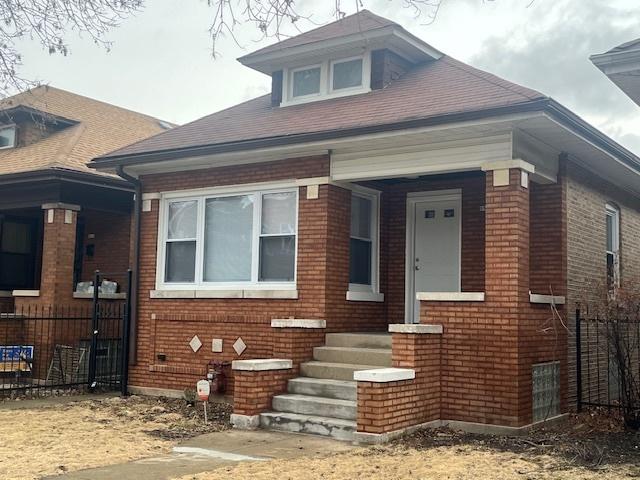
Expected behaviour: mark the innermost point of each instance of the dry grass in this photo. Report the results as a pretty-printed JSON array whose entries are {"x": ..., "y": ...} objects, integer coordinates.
[
  {"x": 452, "y": 463},
  {"x": 36, "y": 442}
]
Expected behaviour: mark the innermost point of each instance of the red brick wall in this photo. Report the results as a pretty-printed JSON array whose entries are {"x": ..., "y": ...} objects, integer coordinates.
[
  {"x": 393, "y": 222},
  {"x": 389, "y": 406},
  {"x": 489, "y": 347},
  {"x": 112, "y": 241},
  {"x": 58, "y": 250},
  {"x": 177, "y": 321},
  {"x": 255, "y": 390}
]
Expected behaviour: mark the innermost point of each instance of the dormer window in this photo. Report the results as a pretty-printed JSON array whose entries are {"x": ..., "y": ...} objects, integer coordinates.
[
  {"x": 8, "y": 136},
  {"x": 331, "y": 78},
  {"x": 346, "y": 74},
  {"x": 306, "y": 81}
]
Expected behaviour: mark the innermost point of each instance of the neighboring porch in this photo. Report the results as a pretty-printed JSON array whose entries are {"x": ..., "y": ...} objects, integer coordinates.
[{"x": 49, "y": 248}]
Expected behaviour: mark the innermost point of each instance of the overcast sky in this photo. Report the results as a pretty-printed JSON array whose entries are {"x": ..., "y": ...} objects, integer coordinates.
[{"x": 161, "y": 61}]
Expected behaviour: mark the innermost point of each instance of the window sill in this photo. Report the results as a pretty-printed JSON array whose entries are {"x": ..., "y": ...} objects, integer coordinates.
[
  {"x": 212, "y": 294},
  {"x": 353, "y": 296},
  {"x": 6, "y": 294},
  {"x": 450, "y": 296},
  {"x": 550, "y": 299},
  {"x": 26, "y": 293}
]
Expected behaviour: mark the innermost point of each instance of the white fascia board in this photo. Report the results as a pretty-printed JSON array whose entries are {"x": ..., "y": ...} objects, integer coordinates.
[{"x": 617, "y": 62}]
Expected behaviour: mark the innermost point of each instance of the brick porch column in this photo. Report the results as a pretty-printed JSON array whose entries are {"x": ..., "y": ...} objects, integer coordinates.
[
  {"x": 506, "y": 285},
  {"x": 58, "y": 253},
  {"x": 295, "y": 339}
]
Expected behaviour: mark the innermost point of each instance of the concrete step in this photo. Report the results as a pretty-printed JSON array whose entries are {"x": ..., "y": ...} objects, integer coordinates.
[
  {"x": 294, "y": 422},
  {"x": 319, "y": 406},
  {"x": 359, "y": 356},
  {"x": 322, "y": 387},
  {"x": 332, "y": 371},
  {"x": 358, "y": 340}
]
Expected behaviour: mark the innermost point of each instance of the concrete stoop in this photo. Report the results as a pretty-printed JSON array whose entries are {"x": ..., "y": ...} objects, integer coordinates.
[{"x": 323, "y": 400}]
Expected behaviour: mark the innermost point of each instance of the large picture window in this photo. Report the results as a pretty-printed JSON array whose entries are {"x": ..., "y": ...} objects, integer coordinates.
[
  {"x": 363, "y": 242},
  {"x": 613, "y": 246},
  {"x": 236, "y": 239}
]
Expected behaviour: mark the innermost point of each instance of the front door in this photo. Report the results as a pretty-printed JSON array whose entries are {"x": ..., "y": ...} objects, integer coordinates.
[{"x": 435, "y": 248}]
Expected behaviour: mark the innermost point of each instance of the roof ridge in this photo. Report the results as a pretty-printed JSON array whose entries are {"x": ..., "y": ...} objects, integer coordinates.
[
  {"x": 67, "y": 92},
  {"x": 502, "y": 83}
]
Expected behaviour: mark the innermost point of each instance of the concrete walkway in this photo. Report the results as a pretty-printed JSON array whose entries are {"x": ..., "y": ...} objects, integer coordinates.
[{"x": 214, "y": 450}]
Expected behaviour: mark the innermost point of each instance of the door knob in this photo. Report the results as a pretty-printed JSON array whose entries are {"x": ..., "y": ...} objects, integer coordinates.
[{"x": 417, "y": 267}]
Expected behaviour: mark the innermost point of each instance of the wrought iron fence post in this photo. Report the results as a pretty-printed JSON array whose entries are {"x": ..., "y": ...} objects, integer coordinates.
[
  {"x": 126, "y": 326},
  {"x": 578, "y": 361},
  {"x": 91, "y": 380}
]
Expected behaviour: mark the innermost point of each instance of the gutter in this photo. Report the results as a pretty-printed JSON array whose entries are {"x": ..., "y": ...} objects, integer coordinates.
[
  {"x": 86, "y": 178},
  {"x": 137, "y": 211}
]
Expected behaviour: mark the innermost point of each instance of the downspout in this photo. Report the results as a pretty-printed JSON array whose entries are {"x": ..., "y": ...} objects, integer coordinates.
[{"x": 137, "y": 210}]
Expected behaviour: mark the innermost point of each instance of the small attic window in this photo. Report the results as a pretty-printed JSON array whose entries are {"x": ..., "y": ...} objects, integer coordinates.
[
  {"x": 346, "y": 74},
  {"x": 306, "y": 81},
  {"x": 329, "y": 79},
  {"x": 8, "y": 136}
]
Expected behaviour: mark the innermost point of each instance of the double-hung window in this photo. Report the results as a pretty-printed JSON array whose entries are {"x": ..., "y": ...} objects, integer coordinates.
[
  {"x": 613, "y": 246},
  {"x": 244, "y": 240},
  {"x": 363, "y": 243}
]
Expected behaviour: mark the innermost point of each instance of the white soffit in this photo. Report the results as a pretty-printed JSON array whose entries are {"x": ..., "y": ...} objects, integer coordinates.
[{"x": 582, "y": 151}]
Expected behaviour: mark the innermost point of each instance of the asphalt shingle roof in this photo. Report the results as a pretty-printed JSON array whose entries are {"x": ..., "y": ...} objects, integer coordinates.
[{"x": 101, "y": 128}]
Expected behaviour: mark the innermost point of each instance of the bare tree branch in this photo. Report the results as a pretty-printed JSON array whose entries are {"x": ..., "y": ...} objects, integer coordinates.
[{"x": 48, "y": 22}]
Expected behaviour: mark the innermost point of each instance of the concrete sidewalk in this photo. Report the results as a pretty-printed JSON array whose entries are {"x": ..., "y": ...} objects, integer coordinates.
[{"x": 213, "y": 450}]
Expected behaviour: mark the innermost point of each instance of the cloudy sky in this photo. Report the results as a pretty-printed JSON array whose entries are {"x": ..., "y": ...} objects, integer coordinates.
[{"x": 161, "y": 62}]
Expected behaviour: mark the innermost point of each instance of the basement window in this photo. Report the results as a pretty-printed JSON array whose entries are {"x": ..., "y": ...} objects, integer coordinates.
[
  {"x": 8, "y": 137},
  {"x": 546, "y": 391}
]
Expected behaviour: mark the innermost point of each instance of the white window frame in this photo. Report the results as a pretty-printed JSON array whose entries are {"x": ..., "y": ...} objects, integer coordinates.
[
  {"x": 326, "y": 81},
  {"x": 614, "y": 212},
  {"x": 291, "y": 74},
  {"x": 345, "y": 89},
  {"x": 15, "y": 135},
  {"x": 374, "y": 197},
  {"x": 200, "y": 283}
]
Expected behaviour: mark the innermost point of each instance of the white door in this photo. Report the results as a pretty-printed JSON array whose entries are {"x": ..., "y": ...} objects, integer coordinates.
[{"x": 436, "y": 248}]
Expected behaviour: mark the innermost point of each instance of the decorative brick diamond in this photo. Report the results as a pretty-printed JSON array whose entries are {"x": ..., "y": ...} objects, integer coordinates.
[
  {"x": 195, "y": 343},
  {"x": 239, "y": 346}
]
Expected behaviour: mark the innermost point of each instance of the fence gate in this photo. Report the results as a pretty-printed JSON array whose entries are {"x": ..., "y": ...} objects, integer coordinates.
[
  {"x": 52, "y": 349},
  {"x": 603, "y": 347}
]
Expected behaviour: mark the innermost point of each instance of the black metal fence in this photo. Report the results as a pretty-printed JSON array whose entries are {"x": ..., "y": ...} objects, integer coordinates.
[
  {"x": 48, "y": 350},
  {"x": 607, "y": 359}
]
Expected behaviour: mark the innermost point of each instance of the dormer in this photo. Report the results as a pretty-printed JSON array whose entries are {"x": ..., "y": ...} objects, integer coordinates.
[
  {"x": 21, "y": 126},
  {"x": 351, "y": 56}
]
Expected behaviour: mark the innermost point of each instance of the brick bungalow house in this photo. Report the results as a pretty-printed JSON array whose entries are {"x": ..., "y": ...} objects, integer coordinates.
[
  {"x": 60, "y": 220},
  {"x": 379, "y": 243}
]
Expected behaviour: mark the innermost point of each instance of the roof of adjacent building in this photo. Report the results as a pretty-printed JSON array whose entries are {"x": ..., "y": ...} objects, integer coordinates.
[
  {"x": 440, "y": 87},
  {"x": 95, "y": 128},
  {"x": 626, "y": 46}
]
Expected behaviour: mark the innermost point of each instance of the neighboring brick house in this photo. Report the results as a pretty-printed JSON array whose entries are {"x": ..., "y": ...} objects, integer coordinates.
[
  {"x": 382, "y": 187},
  {"x": 60, "y": 220}
]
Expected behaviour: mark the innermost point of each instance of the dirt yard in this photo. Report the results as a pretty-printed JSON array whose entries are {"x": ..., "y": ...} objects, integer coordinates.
[
  {"x": 586, "y": 447},
  {"x": 53, "y": 439}
]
